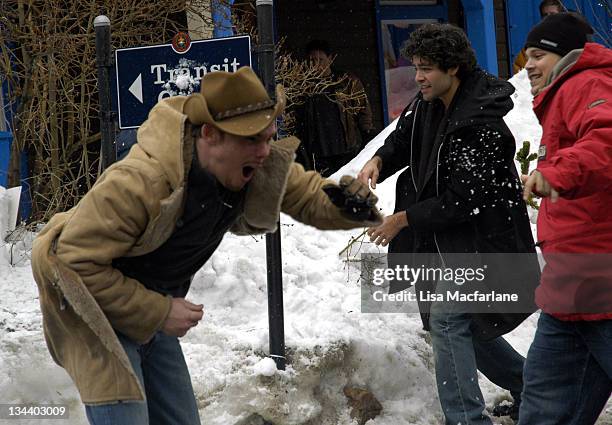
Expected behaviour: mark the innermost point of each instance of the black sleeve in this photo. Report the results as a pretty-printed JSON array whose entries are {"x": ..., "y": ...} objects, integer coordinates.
[
  {"x": 304, "y": 151},
  {"x": 478, "y": 162},
  {"x": 395, "y": 152}
]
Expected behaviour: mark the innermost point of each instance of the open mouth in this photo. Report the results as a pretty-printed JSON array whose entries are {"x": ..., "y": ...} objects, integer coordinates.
[{"x": 248, "y": 171}]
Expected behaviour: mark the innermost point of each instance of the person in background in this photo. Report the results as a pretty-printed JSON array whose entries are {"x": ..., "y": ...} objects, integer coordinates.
[
  {"x": 460, "y": 193},
  {"x": 331, "y": 136},
  {"x": 547, "y": 7},
  {"x": 568, "y": 371},
  {"x": 113, "y": 272}
]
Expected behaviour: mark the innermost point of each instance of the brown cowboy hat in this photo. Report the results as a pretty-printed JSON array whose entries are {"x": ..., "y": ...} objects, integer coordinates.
[{"x": 234, "y": 102}]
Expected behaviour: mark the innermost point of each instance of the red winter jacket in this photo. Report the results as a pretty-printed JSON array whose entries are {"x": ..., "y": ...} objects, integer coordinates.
[{"x": 575, "y": 156}]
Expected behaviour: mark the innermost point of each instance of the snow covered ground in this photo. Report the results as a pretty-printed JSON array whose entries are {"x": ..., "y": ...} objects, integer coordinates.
[{"x": 330, "y": 343}]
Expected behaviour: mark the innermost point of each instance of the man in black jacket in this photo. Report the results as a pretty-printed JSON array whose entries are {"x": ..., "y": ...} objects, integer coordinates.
[
  {"x": 332, "y": 135},
  {"x": 460, "y": 193}
]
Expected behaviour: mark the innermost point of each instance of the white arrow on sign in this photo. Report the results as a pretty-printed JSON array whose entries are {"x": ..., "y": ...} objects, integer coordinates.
[{"x": 136, "y": 88}]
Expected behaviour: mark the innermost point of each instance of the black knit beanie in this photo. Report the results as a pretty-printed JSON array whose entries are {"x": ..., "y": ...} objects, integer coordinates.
[{"x": 560, "y": 33}]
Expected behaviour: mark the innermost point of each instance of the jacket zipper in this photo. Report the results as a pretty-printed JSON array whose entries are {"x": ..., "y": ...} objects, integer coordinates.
[{"x": 416, "y": 110}]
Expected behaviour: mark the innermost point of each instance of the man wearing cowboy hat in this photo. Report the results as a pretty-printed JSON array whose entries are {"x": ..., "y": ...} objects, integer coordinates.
[{"x": 204, "y": 165}]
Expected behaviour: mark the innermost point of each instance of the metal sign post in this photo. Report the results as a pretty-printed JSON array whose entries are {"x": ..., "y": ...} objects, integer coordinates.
[
  {"x": 104, "y": 64},
  {"x": 265, "y": 67}
]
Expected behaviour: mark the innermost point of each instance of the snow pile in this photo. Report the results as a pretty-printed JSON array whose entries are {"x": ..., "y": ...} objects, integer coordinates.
[
  {"x": 525, "y": 127},
  {"x": 521, "y": 120},
  {"x": 330, "y": 343},
  {"x": 15, "y": 243}
]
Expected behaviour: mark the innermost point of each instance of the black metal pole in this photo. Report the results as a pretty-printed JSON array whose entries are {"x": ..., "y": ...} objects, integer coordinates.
[
  {"x": 108, "y": 154},
  {"x": 265, "y": 67}
]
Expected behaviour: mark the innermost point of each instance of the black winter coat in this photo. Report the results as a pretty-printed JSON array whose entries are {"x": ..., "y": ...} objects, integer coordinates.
[{"x": 461, "y": 190}]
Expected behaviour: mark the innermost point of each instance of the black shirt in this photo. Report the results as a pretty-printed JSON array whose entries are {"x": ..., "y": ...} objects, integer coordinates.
[{"x": 210, "y": 210}]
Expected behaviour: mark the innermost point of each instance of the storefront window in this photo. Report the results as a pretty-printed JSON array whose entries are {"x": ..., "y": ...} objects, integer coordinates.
[{"x": 399, "y": 71}]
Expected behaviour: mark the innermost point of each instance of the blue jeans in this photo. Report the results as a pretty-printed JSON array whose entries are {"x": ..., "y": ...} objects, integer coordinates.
[
  {"x": 568, "y": 372},
  {"x": 162, "y": 371},
  {"x": 457, "y": 357}
]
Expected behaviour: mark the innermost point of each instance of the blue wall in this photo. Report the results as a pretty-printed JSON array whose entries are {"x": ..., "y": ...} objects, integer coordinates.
[
  {"x": 480, "y": 28},
  {"x": 222, "y": 18},
  {"x": 595, "y": 12},
  {"x": 6, "y": 141},
  {"x": 480, "y": 24}
]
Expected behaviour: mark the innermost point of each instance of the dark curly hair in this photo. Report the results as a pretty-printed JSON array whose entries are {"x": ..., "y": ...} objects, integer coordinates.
[{"x": 442, "y": 44}]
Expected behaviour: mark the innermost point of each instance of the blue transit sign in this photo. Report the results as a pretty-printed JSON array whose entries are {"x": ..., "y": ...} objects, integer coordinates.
[{"x": 146, "y": 75}]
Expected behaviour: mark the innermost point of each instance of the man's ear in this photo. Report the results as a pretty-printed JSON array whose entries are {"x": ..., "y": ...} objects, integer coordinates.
[
  {"x": 453, "y": 71},
  {"x": 210, "y": 134}
]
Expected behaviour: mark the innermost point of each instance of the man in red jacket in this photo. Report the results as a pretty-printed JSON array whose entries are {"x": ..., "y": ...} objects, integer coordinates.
[{"x": 568, "y": 372}]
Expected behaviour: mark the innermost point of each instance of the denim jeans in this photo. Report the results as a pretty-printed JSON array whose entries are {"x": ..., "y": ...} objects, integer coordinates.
[
  {"x": 568, "y": 372},
  {"x": 162, "y": 371},
  {"x": 457, "y": 357}
]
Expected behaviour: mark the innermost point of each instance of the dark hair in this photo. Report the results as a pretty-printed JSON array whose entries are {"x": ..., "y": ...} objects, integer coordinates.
[
  {"x": 551, "y": 3},
  {"x": 444, "y": 45},
  {"x": 321, "y": 45}
]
